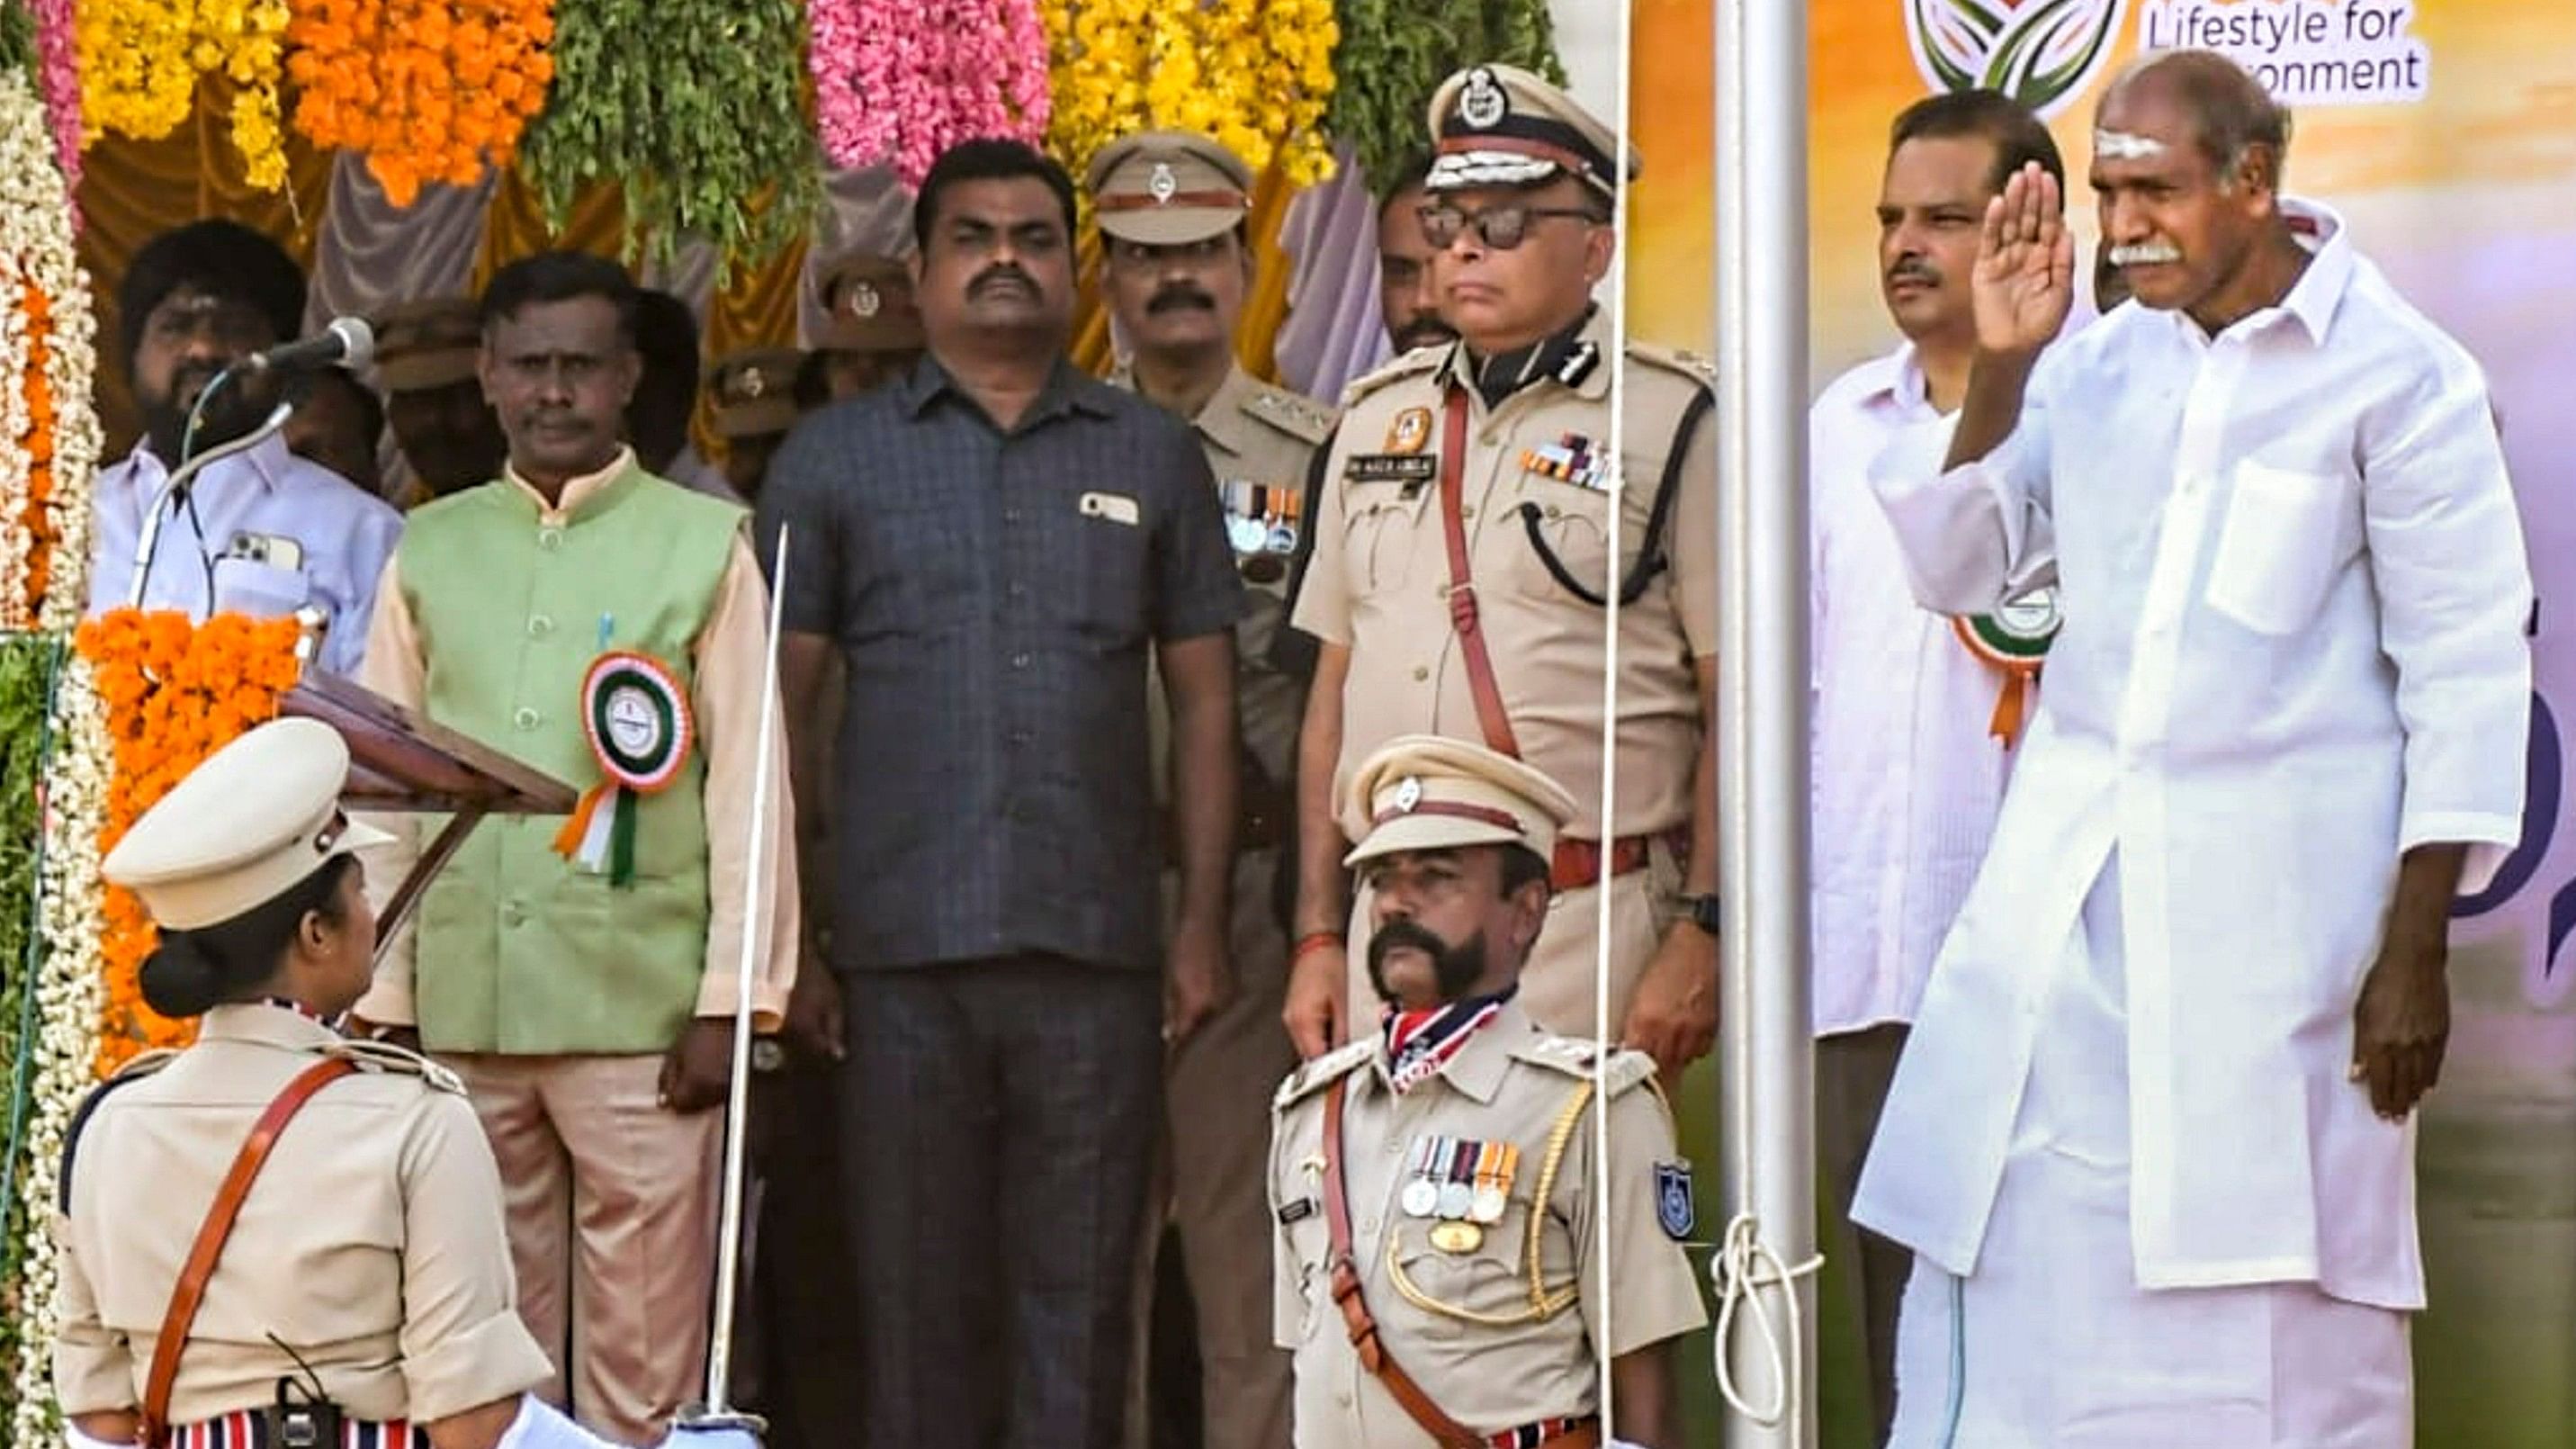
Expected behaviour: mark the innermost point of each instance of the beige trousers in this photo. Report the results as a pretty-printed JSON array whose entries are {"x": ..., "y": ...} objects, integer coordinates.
[
  {"x": 1214, "y": 1175},
  {"x": 611, "y": 1201}
]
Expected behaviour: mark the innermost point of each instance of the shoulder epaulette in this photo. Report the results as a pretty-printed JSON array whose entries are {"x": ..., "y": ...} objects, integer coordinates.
[
  {"x": 1672, "y": 359},
  {"x": 384, "y": 1056},
  {"x": 1419, "y": 360},
  {"x": 1574, "y": 1056},
  {"x": 1299, "y": 417},
  {"x": 133, "y": 1071},
  {"x": 1323, "y": 1070}
]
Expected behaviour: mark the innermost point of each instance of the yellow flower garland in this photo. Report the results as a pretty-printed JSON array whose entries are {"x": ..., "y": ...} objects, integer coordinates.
[
  {"x": 141, "y": 59},
  {"x": 1255, "y": 74}
]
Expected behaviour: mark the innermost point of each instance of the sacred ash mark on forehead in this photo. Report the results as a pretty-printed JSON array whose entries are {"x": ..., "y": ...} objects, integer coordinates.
[{"x": 2126, "y": 146}]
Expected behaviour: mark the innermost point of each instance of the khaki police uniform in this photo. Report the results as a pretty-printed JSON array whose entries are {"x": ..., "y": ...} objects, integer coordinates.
[
  {"x": 1171, "y": 188},
  {"x": 1536, "y": 516},
  {"x": 1491, "y": 1300},
  {"x": 371, "y": 1243}
]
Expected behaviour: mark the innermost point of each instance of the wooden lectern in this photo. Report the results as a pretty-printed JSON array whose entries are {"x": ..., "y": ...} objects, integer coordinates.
[{"x": 399, "y": 761}]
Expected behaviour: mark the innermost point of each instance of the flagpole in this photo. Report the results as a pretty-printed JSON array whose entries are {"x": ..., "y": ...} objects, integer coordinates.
[{"x": 1764, "y": 1267}]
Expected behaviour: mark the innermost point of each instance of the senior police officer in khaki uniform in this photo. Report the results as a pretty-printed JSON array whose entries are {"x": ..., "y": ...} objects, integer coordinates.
[
  {"x": 754, "y": 395},
  {"x": 1461, "y": 568},
  {"x": 872, "y": 327},
  {"x": 448, "y": 437},
  {"x": 1435, "y": 1180},
  {"x": 1171, "y": 209},
  {"x": 367, "y": 1261}
]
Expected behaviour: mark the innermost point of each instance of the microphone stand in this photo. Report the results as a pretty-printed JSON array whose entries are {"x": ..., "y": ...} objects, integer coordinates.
[{"x": 174, "y": 490}]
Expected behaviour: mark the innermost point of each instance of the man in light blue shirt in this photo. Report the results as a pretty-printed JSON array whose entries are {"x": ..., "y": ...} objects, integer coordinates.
[{"x": 262, "y": 532}]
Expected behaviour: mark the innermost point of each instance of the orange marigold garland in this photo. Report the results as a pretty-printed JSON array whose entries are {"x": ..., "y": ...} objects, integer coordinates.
[
  {"x": 41, "y": 532},
  {"x": 426, "y": 90},
  {"x": 174, "y": 692}
]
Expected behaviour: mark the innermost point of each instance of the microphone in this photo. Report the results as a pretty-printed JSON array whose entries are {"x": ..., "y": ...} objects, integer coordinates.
[{"x": 347, "y": 341}]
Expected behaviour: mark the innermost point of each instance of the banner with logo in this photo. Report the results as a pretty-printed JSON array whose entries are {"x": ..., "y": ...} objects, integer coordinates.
[{"x": 2446, "y": 136}]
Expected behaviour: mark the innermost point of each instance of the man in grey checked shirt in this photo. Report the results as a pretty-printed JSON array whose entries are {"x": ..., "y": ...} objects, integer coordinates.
[{"x": 992, "y": 542}]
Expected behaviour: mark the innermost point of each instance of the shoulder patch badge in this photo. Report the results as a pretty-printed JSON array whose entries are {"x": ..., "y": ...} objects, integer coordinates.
[{"x": 1676, "y": 1210}]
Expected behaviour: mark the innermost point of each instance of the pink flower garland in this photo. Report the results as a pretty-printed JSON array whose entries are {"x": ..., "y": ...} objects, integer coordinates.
[
  {"x": 902, "y": 80},
  {"x": 59, "y": 52}
]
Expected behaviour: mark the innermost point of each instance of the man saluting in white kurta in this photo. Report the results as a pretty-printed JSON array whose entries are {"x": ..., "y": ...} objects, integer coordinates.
[{"x": 2151, "y": 1140}]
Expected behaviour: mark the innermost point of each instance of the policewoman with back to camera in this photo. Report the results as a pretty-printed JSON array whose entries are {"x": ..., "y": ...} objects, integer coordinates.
[{"x": 281, "y": 1237}]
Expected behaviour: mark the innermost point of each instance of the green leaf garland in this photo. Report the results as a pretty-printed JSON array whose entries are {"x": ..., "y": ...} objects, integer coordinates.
[
  {"x": 695, "y": 107},
  {"x": 26, "y": 676},
  {"x": 1395, "y": 53}
]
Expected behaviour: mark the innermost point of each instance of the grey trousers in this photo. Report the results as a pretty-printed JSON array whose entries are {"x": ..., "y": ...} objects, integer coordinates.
[
  {"x": 998, "y": 1121},
  {"x": 1853, "y": 1070}
]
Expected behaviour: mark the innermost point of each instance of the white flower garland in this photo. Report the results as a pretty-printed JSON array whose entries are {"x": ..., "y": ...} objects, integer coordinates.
[
  {"x": 71, "y": 989},
  {"x": 36, "y": 247}
]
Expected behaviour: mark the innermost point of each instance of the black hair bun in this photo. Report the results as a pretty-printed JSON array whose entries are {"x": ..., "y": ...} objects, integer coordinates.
[{"x": 179, "y": 979}]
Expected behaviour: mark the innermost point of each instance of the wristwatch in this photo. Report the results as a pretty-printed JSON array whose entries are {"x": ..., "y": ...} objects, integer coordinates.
[{"x": 1703, "y": 912}]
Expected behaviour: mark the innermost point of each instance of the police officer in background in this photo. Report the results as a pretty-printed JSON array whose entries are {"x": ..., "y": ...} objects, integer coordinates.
[
  {"x": 364, "y": 1295},
  {"x": 448, "y": 435},
  {"x": 1461, "y": 566},
  {"x": 1434, "y": 1184},
  {"x": 1171, "y": 208},
  {"x": 754, "y": 392},
  {"x": 872, "y": 329}
]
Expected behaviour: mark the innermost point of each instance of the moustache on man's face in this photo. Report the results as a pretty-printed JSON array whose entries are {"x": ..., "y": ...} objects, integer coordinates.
[
  {"x": 1004, "y": 275},
  {"x": 1173, "y": 298},
  {"x": 1424, "y": 331}
]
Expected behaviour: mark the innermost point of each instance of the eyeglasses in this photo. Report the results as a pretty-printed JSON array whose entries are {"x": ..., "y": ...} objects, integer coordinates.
[{"x": 1500, "y": 227}]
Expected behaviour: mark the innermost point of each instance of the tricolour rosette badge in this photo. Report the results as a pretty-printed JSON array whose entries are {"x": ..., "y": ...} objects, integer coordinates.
[
  {"x": 2014, "y": 639},
  {"x": 2042, "y": 53},
  {"x": 636, "y": 716}
]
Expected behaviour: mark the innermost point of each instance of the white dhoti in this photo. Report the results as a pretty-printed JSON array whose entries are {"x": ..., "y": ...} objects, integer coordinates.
[{"x": 2051, "y": 1343}]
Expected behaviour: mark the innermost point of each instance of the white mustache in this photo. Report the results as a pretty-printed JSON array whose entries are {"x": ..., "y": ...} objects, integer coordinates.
[{"x": 2145, "y": 254}]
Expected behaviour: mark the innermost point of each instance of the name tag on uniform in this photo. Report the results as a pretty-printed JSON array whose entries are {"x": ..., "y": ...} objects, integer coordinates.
[
  {"x": 1116, "y": 507},
  {"x": 1392, "y": 467}
]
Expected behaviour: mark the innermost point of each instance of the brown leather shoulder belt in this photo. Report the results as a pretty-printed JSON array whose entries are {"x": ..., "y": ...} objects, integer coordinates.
[
  {"x": 1346, "y": 1293},
  {"x": 1481, "y": 684},
  {"x": 209, "y": 1246}
]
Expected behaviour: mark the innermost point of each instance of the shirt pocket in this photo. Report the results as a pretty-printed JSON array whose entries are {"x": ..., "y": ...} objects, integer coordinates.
[
  {"x": 1379, "y": 533},
  {"x": 247, "y": 586},
  {"x": 2284, "y": 537},
  {"x": 1105, "y": 554},
  {"x": 1452, "y": 1290},
  {"x": 913, "y": 573},
  {"x": 1564, "y": 524}
]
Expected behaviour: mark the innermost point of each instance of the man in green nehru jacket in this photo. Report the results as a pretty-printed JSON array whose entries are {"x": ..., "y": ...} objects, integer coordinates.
[{"x": 607, "y": 627}]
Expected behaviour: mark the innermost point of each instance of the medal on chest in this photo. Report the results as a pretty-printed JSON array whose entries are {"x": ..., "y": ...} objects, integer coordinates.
[
  {"x": 1460, "y": 1186},
  {"x": 1261, "y": 524},
  {"x": 636, "y": 718},
  {"x": 2015, "y": 640},
  {"x": 1572, "y": 458}
]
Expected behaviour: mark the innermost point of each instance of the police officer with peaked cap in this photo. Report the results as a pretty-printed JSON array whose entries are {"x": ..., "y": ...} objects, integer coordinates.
[
  {"x": 447, "y": 433},
  {"x": 1177, "y": 263},
  {"x": 754, "y": 391},
  {"x": 364, "y": 1295},
  {"x": 1461, "y": 568},
  {"x": 872, "y": 327},
  {"x": 1434, "y": 1190}
]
